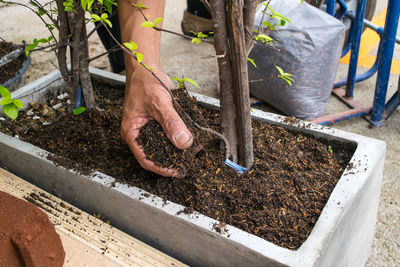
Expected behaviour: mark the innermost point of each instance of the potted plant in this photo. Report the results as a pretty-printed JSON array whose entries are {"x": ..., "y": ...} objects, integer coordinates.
[
  {"x": 13, "y": 65},
  {"x": 194, "y": 237}
]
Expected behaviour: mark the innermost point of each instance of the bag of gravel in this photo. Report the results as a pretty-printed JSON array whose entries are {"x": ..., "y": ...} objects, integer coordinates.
[{"x": 309, "y": 48}]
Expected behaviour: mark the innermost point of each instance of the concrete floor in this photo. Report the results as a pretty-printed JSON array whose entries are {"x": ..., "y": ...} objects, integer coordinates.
[{"x": 180, "y": 57}]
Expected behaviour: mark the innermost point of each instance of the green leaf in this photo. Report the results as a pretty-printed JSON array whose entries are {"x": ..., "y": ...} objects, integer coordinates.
[
  {"x": 252, "y": 62},
  {"x": 131, "y": 45},
  {"x": 4, "y": 92},
  {"x": 158, "y": 20},
  {"x": 11, "y": 110},
  {"x": 281, "y": 72},
  {"x": 139, "y": 57},
  {"x": 104, "y": 16},
  {"x": 50, "y": 38},
  {"x": 18, "y": 103},
  {"x": 79, "y": 110},
  {"x": 84, "y": 4},
  {"x": 196, "y": 40},
  {"x": 148, "y": 24},
  {"x": 95, "y": 17},
  {"x": 140, "y": 5},
  {"x": 6, "y": 100},
  {"x": 191, "y": 81},
  {"x": 176, "y": 79},
  {"x": 43, "y": 40},
  {"x": 41, "y": 12},
  {"x": 264, "y": 38},
  {"x": 108, "y": 23}
]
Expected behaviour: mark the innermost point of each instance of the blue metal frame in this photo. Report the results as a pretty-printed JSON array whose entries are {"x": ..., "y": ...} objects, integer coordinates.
[
  {"x": 382, "y": 65},
  {"x": 356, "y": 32},
  {"x": 385, "y": 55},
  {"x": 330, "y": 7}
]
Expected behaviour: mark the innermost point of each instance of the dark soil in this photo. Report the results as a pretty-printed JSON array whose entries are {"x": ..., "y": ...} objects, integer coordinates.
[
  {"x": 279, "y": 199},
  {"x": 9, "y": 70}
]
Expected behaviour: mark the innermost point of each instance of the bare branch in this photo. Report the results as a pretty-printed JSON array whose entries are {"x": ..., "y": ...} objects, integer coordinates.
[{"x": 114, "y": 49}]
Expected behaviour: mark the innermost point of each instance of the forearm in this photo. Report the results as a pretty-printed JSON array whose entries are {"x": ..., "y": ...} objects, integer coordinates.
[{"x": 147, "y": 39}]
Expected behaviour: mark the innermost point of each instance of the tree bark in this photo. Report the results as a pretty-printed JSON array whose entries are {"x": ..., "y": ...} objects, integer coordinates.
[
  {"x": 228, "y": 105},
  {"x": 63, "y": 39},
  {"x": 249, "y": 13},
  {"x": 235, "y": 22},
  {"x": 85, "y": 80}
]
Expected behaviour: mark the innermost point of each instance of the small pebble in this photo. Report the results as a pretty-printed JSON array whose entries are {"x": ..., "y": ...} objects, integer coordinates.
[
  {"x": 2, "y": 119},
  {"x": 46, "y": 123},
  {"x": 30, "y": 112},
  {"x": 34, "y": 105},
  {"x": 62, "y": 96},
  {"x": 57, "y": 106},
  {"x": 36, "y": 117}
]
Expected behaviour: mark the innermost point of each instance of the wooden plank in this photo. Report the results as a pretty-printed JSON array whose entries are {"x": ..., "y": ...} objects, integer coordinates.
[{"x": 87, "y": 240}]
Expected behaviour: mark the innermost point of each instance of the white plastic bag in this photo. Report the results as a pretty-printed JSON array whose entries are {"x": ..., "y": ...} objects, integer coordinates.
[{"x": 309, "y": 48}]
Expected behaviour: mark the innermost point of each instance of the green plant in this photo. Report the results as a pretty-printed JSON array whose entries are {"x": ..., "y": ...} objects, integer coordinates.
[
  {"x": 330, "y": 150},
  {"x": 79, "y": 110},
  {"x": 285, "y": 76},
  {"x": 10, "y": 105},
  {"x": 183, "y": 80}
]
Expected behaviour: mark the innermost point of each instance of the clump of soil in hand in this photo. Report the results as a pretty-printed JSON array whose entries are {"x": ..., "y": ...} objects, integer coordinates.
[
  {"x": 279, "y": 199},
  {"x": 9, "y": 70},
  {"x": 152, "y": 138}
]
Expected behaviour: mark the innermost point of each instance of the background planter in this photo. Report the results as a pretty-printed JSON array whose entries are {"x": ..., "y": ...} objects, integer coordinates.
[
  {"x": 19, "y": 79},
  {"x": 342, "y": 235}
]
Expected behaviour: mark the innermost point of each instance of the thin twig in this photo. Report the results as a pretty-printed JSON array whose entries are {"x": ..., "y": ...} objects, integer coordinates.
[
  {"x": 263, "y": 14},
  {"x": 113, "y": 49},
  {"x": 265, "y": 44},
  {"x": 182, "y": 35},
  {"x": 171, "y": 32}
]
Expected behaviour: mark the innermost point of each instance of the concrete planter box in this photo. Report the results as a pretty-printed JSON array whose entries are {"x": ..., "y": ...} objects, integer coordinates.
[{"x": 342, "y": 235}]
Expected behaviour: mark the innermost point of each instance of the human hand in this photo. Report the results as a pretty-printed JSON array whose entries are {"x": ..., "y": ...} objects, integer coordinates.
[{"x": 147, "y": 99}]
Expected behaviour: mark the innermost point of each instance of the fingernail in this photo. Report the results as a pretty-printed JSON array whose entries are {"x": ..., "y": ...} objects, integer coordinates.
[{"x": 181, "y": 138}]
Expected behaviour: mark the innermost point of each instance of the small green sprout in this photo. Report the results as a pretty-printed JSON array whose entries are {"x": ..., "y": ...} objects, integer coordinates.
[
  {"x": 79, "y": 110},
  {"x": 10, "y": 105},
  {"x": 199, "y": 36},
  {"x": 181, "y": 82},
  {"x": 151, "y": 24},
  {"x": 103, "y": 18},
  {"x": 263, "y": 38},
  {"x": 286, "y": 76},
  {"x": 133, "y": 47},
  {"x": 330, "y": 150},
  {"x": 140, "y": 5},
  {"x": 35, "y": 43},
  {"x": 252, "y": 62}
]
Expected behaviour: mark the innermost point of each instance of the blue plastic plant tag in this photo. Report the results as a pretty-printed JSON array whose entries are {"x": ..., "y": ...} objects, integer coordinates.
[
  {"x": 235, "y": 166},
  {"x": 78, "y": 97}
]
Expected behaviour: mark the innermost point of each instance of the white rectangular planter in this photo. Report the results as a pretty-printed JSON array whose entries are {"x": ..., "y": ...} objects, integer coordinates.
[{"x": 342, "y": 235}]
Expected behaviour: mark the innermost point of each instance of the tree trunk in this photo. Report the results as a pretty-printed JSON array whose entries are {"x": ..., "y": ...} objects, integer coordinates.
[
  {"x": 63, "y": 39},
  {"x": 235, "y": 22},
  {"x": 86, "y": 82},
  {"x": 228, "y": 106}
]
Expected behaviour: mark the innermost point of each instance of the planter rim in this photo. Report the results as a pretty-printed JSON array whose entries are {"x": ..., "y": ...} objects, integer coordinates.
[{"x": 308, "y": 254}]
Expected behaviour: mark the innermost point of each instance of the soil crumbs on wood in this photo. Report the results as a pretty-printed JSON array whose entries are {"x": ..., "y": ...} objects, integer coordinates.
[
  {"x": 279, "y": 199},
  {"x": 9, "y": 70}
]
